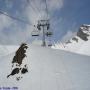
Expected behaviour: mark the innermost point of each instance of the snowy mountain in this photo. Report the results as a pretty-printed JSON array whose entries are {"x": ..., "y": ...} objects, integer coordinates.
[
  {"x": 79, "y": 43},
  {"x": 48, "y": 69}
]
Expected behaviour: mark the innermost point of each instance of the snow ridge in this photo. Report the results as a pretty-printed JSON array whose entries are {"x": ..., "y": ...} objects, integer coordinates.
[{"x": 80, "y": 43}]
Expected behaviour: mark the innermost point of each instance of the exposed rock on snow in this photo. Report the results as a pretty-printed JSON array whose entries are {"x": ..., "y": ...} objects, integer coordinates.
[{"x": 18, "y": 60}]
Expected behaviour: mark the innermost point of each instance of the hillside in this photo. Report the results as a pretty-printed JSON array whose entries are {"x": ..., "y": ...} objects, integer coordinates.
[{"x": 48, "y": 69}]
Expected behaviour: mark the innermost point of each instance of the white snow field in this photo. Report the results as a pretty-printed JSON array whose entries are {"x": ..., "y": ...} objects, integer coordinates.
[
  {"x": 49, "y": 69},
  {"x": 7, "y": 49}
]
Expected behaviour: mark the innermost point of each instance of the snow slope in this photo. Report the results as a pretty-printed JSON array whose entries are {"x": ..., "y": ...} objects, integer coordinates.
[
  {"x": 7, "y": 49},
  {"x": 49, "y": 69},
  {"x": 79, "y": 43}
]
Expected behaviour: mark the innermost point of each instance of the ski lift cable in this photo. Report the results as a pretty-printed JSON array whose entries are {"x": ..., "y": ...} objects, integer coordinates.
[
  {"x": 53, "y": 17},
  {"x": 15, "y": 18},
  {"x": 30, "y": 3},
  {"x": 47, "y": 11},
  {"x": 36, "y": 10},
  {"x": 46, "y": 8}
]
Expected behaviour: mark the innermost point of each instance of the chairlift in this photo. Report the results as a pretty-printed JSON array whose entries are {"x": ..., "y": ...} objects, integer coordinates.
[
  {"x": 35, "y": 33},
  {"x": 48, "y": 33},
  {"x": 48, "y": 26},
  {"x": 38, "y": 27},
  {"x": 49, "y": 45}
]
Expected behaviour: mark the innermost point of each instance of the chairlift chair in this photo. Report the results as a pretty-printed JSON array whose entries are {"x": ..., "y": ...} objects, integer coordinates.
[
  {"x": 48, "y": 33},
  {"x": 35, "y": 33},
  {"x": 49, "y": 45}
]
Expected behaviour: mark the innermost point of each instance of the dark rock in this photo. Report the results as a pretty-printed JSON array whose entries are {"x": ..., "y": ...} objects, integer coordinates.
[
  {"x": 20, "y": 54},
  {"x": 82, "y": 35},
  {"x": 14, "y": 71},
  {"x": 75, "y": 39},
  {"x": 68, "y": 42},
  {"x": 24, "y": 70}
]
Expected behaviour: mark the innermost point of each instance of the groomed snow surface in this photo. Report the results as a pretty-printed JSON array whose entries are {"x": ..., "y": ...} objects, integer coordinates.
[{"x": 49, "y": 69}]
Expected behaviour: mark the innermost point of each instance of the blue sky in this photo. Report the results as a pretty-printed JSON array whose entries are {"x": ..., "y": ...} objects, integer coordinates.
[
  {"x": 66, "y": 16},
  {"x": 74, "y": 13}
]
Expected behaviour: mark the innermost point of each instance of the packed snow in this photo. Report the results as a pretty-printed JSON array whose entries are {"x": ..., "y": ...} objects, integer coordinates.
[
  {"x": 48, "y": 69},
  {"x": 7, "y": 49}
]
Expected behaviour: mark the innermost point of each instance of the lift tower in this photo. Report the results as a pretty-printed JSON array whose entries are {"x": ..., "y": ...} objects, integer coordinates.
[{"x": 44, "y": 26}]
